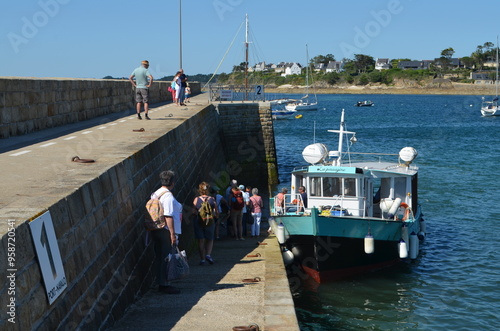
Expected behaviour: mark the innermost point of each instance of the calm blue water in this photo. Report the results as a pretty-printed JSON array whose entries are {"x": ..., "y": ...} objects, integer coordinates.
[{"x": 455, "y": 283}]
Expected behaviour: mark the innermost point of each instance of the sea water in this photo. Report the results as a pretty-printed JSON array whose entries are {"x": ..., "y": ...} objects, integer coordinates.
[{"x": 455, "y": 282}]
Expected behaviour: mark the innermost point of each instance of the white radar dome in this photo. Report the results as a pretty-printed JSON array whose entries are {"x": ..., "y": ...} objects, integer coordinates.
[
  {"x": 315, "y": 153},
  {"x": 408, "y": 154}
]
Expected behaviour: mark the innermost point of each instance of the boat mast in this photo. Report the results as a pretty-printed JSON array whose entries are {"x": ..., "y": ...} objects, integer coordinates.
[
  {"x": 246, "y": 57},
  {"x": 307, "y": 73},
  {"x": 496, "y": 77}
]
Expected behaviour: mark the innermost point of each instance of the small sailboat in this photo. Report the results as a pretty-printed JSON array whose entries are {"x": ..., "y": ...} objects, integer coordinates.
[
  {"x": 491, "y": 107},
  {"x": 306, "y": 102}
]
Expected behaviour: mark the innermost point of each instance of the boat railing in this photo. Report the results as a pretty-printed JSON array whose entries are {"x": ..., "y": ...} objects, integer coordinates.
[
  {"x": 340, "y": 206},
  {"x": 292, "y": 205}
]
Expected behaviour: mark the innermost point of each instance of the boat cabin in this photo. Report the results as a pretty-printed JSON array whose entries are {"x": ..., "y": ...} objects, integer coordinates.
[
  {"x": 358, "y": 189},
  {"x": 354, "y": 191}
]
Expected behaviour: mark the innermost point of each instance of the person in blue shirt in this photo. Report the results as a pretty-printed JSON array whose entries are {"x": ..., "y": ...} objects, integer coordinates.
[
  {"x": 303, "y": 197},
  {"x": 142, "y": 84}
]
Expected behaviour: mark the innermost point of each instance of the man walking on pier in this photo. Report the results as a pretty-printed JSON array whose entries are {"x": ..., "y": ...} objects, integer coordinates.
[{"x": 142, "y": 85}]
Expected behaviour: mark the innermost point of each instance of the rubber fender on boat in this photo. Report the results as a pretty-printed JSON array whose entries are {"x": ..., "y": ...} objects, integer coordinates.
[
  {"x": 287, "y": 256},
  {"x": 369, "y": 244},
  {"x": 404, "y": 234},
  {"x": 422, "y": 226},
  {"x": 394, "y": 207},
  {"x": 413, "y": 246},
  {"x": 280, "y": 233},
  {"x": 403, "y": 250},
  {"x": 421, "y": 235}
]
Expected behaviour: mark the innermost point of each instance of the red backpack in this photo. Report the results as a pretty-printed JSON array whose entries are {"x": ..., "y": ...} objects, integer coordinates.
[{"x": 237, "y": 201}]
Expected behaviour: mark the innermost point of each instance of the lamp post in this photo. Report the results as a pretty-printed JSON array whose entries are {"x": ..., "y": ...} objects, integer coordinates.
[{"x": 180, "y": 33}]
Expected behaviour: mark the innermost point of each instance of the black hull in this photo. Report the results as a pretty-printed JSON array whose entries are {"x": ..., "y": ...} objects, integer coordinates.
[{"x": 330, "y": 258}]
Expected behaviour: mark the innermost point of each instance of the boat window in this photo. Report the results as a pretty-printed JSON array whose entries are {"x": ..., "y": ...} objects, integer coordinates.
[
  {"x": 331, "y": 186},
  {"x": 350, "y": 186},
  {"x": 385, "y": 188},
  {"x": 400, "y": 187},
  {"x": 315, "y": 186}
]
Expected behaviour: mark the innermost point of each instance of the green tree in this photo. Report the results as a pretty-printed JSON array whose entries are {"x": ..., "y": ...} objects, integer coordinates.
[
  {"x": 240, "y": 67},
  {"x": 322, "y": 59},
  {"x": 375, "y": 76},
  {"x": 332, "y": 78},
  {"x": 350, "y": 67},
  {"x": 467, "y": 61},
  {"x": 363, "y": 79},
  {"x": 363, "y": 63},
  {"x": 394, "y": 62},
  {"x": 446, "y": 56},
  {"x": 480, "y": 55}
]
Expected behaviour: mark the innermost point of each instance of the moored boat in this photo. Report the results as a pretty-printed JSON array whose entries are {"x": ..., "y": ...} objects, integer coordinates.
[
  {"x": 306, "y": 102},
  {"x": 366, "y": 103},
  {"x": 278, "y": 114},
  {"x": 354, "y": 216},
  {"x": 491, "y": 107}
]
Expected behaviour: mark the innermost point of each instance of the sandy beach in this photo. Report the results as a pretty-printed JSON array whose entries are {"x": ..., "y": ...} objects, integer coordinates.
[{"x": 448, "y": 89}]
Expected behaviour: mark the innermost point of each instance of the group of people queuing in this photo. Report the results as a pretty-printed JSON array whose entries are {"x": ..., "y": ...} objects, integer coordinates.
[
  {"x": 240, "y": 206},
  {"x": 245, "y": 208},
  {"x": 141, "y": 79}
]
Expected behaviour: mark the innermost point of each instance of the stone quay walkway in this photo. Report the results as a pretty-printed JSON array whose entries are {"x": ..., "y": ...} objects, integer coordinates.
[{"x": 246, "y": 285}]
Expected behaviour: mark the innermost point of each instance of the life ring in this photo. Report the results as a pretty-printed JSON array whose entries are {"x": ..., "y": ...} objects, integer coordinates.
[{"x": 407, "y": 210}]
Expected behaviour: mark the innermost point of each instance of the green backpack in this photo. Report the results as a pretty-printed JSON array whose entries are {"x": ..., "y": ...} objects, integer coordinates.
[{"x": 206, "y": 213}]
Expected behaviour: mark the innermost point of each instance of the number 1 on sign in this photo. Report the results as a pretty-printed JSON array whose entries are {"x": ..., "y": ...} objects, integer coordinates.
[{"x": 46, "y": 244}]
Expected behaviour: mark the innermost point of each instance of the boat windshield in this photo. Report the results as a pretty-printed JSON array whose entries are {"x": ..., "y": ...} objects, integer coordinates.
[{"x": 332, "y": 186}]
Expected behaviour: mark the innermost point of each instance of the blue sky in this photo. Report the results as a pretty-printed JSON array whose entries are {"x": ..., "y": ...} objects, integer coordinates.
[{"x": 93, "y": 39}]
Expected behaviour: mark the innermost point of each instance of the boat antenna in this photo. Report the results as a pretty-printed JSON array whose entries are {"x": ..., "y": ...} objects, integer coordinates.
[
  {"x": 341, "y": 134},
  {"x": 314, "y": 132}
]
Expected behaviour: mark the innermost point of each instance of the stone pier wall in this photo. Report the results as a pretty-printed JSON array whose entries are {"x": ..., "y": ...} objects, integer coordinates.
[
  {"x": 253, "y": 156},
  {"x": 99, "y": 226},
  {"x": 29, "y": 105}
]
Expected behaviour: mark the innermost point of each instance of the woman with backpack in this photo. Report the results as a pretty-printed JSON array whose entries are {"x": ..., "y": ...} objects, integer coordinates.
[
  {"x": 237, "y": 203},
  {"x": 204, "y": 225}
]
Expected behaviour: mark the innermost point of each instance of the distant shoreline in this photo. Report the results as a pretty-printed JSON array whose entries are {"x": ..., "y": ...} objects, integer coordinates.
[{"x": 451, "y": 89}]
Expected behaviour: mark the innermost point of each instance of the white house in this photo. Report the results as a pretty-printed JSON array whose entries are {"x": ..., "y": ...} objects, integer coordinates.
[
  {"x": 320, "y": 67},
  {"x": 261, "y": 66},
  {"x": 335, "y": 66},
  {"x": 382, "y": 64},
  {"x": 292, "y": 69}
]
